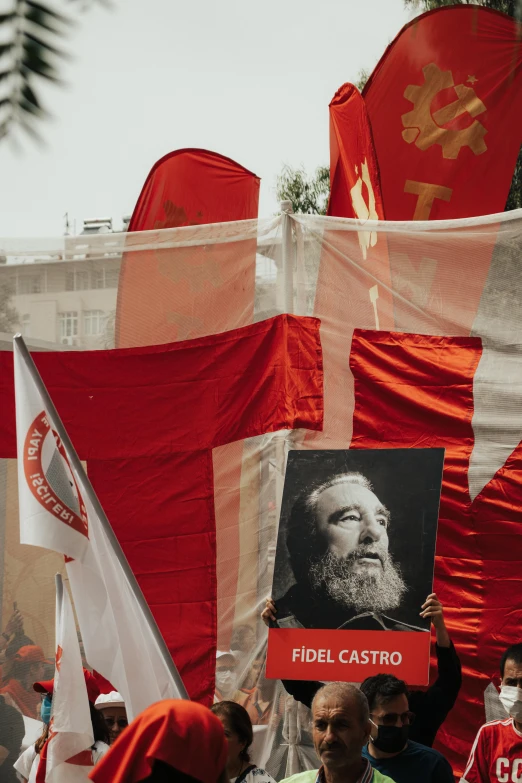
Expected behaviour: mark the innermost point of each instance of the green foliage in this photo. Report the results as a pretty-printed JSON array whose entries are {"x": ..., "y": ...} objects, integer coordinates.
[
  {"x": 8, "y": 314},
  {"x": 362, "y": 78},
  {"x": 511, "y": 7},
  {"x": 31, "y": 33},
  {"x": 308, "y": 194}
]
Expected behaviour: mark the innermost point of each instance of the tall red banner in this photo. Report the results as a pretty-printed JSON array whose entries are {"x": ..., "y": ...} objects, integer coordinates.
[
  {"x": 355, "y": 189},
  {"x": 445, "y": 105},
  {"x": 188, "y": 187}
]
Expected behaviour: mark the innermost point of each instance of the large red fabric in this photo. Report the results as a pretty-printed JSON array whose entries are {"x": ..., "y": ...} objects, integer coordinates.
[
  {"x": 445, "y": 105},
  {"x": 416, "y": 391},
  {"x": 185, "y": 188},
  {"x": 182, "y": 734},
  {"x": 355, "y": 188},
  {"x": 146, "y": 420}
]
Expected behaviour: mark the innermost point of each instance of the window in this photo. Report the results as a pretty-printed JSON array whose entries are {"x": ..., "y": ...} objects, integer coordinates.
[
  {"x": 68, "y": 324},
  {"x": 98, "y": 278},
  {"x": 77, "y": 280},
  {"x": 26, "y": 325},
  {"x": 29, "y": 284},
  {"x": 81, "y": 282},
  {"x": 111, "y": 278},
  {"x": 93, "y": 323}
]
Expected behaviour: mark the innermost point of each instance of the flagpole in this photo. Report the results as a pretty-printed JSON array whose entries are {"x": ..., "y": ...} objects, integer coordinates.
[
  {"x": 97, "y": 506},
  {"x": 58, "y": 581},
  {"x": 288, "y": 255}
]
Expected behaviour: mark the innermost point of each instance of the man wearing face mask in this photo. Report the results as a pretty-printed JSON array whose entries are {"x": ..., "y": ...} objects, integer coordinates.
[
  {"x": 389, "y": 749},
  {"x": 226, "y": 677},
  {"x": 496, "y": 754}
]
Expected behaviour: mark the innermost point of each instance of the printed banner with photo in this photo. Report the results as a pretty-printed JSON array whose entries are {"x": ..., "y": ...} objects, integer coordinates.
[{"x": 355, "y": 557}]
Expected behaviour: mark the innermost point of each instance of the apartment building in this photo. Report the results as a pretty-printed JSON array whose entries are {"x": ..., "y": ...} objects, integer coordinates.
[{"x": 68, "y": 299}]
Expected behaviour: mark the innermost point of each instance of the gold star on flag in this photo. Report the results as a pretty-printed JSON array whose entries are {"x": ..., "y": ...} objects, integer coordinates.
[{"x": 472, "y": 79}]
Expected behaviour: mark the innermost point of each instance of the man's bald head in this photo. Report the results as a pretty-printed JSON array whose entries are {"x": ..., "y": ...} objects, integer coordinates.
[{"x": 345, "y": 692}]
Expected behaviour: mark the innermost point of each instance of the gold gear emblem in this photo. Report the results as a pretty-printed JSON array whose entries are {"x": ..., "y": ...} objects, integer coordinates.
[{"x": 426, "y": 129}]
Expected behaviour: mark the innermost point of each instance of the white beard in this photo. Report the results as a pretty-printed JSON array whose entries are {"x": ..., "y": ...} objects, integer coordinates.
[{"x": 374, "y": 592}]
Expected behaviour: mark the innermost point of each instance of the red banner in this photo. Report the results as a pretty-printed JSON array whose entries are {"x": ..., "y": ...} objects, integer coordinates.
[
  {"x": 445, "y": 105},
  {"x": 355, "y": 189},
  {"x": 149, "y": 452},
  {"x": 416, "y": 391},
  {"x": 348, "y": 656},
  {"x": 188, "y": 187}
]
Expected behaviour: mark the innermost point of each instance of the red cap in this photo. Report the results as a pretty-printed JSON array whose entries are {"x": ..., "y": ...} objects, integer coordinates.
[
  {"x": 93, "y": 689},
  {"x": 31, "y": 653}
]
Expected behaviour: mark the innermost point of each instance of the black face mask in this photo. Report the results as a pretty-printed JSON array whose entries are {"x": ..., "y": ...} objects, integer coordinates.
[{"x": 391, "y": 739}]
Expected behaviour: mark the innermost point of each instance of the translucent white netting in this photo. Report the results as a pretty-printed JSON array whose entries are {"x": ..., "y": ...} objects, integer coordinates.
[{"x": 456, "y": 278}]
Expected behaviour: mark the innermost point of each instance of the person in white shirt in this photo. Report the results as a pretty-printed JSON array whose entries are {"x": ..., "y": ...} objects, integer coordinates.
[
  {"x": 27, "y": 764},
  {"x": 239, "y": 733}
]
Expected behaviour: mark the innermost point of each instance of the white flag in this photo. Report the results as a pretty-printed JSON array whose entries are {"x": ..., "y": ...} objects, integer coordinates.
[
  {"x": 69, "y": 755},
  {"x": 117, "y": 635}
]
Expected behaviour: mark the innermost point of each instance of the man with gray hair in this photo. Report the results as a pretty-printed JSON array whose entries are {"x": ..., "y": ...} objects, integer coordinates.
[
  {"x": 337, "y": 540},
  {"x": 341, "y": 728}
]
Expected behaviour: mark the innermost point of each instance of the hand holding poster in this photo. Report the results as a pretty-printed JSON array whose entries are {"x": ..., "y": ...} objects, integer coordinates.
[{"x": 355, "y": 555}]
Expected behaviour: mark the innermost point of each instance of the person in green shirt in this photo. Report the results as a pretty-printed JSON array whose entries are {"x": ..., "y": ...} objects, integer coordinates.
[{"x": 341, "y": 728}]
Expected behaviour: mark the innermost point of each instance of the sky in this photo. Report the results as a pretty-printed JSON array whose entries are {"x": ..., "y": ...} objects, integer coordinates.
[{"x": 250, "y": 81}]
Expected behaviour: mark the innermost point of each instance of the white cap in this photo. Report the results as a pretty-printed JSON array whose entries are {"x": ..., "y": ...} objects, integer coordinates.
[{"x": 112, "y": 699}]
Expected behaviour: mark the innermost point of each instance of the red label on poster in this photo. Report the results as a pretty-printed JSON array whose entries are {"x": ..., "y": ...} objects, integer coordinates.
[{"x": 347, "y": 656}]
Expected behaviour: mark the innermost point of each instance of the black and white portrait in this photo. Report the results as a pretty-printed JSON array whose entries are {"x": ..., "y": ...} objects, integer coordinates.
[{"x": 356, "y": 542}]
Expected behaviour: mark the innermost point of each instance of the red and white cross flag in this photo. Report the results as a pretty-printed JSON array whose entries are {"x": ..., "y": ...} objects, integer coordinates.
[
  {"x": 69, "y": 756},
  {"x": 59, "y": 511}
]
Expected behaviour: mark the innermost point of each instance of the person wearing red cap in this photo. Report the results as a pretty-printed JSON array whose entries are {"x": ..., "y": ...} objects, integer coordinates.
[
  {"x": 28, "y": 665},
  {"x": 32, "y": 763},
  {"x": 171, "y": 741}
]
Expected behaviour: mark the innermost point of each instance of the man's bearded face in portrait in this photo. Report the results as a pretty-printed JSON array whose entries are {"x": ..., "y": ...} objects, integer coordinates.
[{"x": 356, "y": 569}]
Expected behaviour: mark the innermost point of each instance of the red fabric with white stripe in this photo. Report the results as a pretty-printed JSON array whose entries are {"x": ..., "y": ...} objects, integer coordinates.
[{"x": 496, "y": 754}]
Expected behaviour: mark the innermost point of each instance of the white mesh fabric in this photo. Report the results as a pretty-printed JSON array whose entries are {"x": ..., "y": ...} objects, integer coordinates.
[{"x": 446, "y": 278}]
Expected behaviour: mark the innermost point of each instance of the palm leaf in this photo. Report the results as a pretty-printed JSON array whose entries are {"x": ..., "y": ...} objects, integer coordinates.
[{"x": 30, "y": 52}]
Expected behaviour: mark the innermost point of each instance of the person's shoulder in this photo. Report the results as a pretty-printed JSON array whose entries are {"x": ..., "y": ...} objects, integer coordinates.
[
  {"x": 302, "y": 777},
  {"x": 99, "y": 750},
  {"x": 380, "y": 777},
  {"x": 418, "y": 749},
  {"x": 495, "y": 727},
  {"x": 25, "y": 760}
]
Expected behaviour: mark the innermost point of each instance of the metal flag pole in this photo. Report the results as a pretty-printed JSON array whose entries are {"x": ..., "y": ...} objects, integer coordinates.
[
  {"x": 59, "y": 598},
  {"x": 288, "y": 255},
  {"x": 91, "y": 494}
]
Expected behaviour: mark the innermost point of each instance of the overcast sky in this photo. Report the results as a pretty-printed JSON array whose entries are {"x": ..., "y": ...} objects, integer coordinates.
[{"x": 249, "y": 80}]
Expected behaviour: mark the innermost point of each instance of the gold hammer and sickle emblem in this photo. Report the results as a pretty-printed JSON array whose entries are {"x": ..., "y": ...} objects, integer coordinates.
[{"x": 426, "y": 129}]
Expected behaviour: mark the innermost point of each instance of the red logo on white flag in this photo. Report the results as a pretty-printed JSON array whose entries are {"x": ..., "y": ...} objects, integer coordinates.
[
  {"x": 58, "y": 660},
  {"x": 49, "y": 476}
]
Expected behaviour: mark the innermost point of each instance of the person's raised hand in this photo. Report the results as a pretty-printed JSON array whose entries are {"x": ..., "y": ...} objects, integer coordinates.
[
  {"x": 433, "y": 609},
  {"x": 15, "y": 624},
  {"x": 268, "y": 614}
]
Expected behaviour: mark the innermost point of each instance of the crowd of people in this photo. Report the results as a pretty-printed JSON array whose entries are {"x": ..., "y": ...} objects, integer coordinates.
[{"x": 377, "y": 732}]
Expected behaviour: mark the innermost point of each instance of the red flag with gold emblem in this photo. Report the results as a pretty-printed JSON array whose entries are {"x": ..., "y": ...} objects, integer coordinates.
[
  {"x": 188, "y": 187},
  {"x": 445, "y": 105}
]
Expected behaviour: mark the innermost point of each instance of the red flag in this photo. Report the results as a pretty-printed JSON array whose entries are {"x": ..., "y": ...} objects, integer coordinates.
[
  {"x": 187, "y": 187},
  {"x": 355, "y": 189},
  {"x": 445, "y": 107},
  {"x": 146, "y": 420},
  {"x": 398, "y": 402}
]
